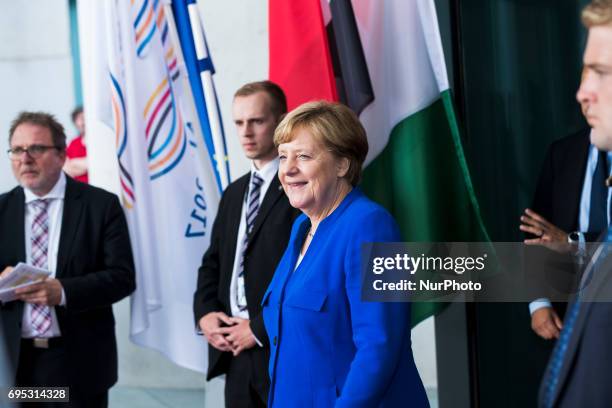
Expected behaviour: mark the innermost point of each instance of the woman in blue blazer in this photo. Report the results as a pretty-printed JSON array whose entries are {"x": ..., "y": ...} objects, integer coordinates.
[{"x": 328, "y": 347}]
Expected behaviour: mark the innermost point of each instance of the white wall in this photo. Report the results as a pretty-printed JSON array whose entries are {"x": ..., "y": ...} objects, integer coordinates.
[
  {"x": 35, "y": 66},
  {"x": 237, "y": 35}
]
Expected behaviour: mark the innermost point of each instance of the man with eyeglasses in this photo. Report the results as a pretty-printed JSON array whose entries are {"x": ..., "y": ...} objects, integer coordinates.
[{"x": 60, "y": 332}]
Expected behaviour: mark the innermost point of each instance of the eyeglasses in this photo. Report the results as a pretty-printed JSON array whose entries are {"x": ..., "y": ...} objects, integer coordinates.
[{"x": 34, "y": 151}]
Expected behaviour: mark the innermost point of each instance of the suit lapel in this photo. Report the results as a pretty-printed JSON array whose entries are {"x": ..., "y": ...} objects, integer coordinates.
[
  {"x": 71, "y": 216},
  {"x": 235, "y": 212},
  {"x": 296, "y": 246},
  {"x": 17, "y": 214},
  {"x": 275, "y": 191}
]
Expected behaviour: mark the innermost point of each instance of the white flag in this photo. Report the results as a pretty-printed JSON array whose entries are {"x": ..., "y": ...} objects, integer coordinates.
[{"x": 168, "y": 187}]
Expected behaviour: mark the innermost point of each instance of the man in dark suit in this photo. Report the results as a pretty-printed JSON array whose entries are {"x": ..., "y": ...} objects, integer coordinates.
[
  {"x": 559, "y": 201},
  {"x": 581, "y": 364},
  {"x": 60, "y": 332},
  {"x": 560, "y": 213},
  {"x": 249, "y": 236}
]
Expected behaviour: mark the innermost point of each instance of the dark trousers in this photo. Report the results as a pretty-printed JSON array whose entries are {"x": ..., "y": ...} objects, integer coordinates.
[
  {"x": 246, "y": 381},
  {"x": 40, "y": 367}
]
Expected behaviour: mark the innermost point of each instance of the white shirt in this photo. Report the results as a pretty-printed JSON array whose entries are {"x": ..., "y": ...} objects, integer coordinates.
[
  {"x": 299, "y": 260},
  {"x": 55, "y": 212},
  {"x": 267, "y": 173}
]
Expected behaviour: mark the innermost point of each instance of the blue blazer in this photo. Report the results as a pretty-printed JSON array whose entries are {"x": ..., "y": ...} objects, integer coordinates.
[{"x": 328, "y": 348}]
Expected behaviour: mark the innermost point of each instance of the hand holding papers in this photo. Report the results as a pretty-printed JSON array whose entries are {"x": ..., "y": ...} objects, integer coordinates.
[{"x": 21, "y": 276}]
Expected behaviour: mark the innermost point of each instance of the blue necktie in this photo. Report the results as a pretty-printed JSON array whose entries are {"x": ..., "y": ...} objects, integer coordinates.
[
  {"x": 252, "y": 209},
  {"x": 558, "y": 355},
  {"x": 598, "y": 217}
]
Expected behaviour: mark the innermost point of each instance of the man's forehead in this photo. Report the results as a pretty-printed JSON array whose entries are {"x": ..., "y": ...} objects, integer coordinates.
[
  {"x": 599, "y": 46},
  {"x": 252, "y": 105},
  {"x": 31, "y": 133}
]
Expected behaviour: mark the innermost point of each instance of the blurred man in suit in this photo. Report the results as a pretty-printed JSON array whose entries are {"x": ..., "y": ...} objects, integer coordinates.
[
  {"x": 249, "y": 237},
  {"x": 568, "y": 207},
  {"x": 560, "y": 213},
  {"x": 61, "y": 331},
  {"x": 581, "y": 363}
]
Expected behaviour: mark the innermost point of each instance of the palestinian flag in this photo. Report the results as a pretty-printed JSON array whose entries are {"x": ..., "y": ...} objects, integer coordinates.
[{"x": 384, "y": 59}]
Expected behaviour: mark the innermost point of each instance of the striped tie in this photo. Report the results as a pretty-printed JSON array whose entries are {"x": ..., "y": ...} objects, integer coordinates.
[
  {"x": 40, "y": 316},
  {"x": 251, "y": 213}
]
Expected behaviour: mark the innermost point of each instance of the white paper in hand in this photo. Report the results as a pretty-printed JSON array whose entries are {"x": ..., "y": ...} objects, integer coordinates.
[{"x": 22, "y": 275}]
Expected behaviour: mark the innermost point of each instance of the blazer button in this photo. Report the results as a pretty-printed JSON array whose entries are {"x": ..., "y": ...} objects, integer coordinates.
[{"x": 275, "y": 340}]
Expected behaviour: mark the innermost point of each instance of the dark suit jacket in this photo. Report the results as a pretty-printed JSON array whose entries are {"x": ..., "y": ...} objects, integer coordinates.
[
  {"x": 557, "y": 198},
  {"x": 96, "y": 269},
  {"x": 266, "y": 246},
  {"x": 587, "y": 366},
  {"x": 584, "y": 377},
  {"x": 559, "y": 188}
]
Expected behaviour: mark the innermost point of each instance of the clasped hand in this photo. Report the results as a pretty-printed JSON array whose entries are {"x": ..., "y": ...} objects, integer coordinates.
[{"x": 227, "y": 333}]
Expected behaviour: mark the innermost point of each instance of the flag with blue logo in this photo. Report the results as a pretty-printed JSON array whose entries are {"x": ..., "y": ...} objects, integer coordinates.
[{"x": 172, "y": 164}]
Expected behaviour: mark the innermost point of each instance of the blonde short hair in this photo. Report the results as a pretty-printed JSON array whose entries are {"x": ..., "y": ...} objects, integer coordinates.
[
  {"x": 278, "y": 100},
  {"x": 332, "y": 124},
  {"x": 598, "y": 12}
]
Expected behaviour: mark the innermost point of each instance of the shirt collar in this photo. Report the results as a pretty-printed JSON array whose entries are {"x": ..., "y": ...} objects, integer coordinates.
[
  {"x": 268, "y": 171},
  {"x": 57, "y": 192}
]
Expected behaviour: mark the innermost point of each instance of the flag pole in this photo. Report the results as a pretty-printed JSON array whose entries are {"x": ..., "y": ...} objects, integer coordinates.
[
  {"x": 200, "y": 68},
  {"x": 210, "y": 92}
]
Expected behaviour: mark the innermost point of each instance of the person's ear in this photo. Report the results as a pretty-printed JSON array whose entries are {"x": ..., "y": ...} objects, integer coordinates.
[{"x": 343, "y": 166}]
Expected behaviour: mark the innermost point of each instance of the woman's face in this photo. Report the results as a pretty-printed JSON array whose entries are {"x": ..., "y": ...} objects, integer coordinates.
[{"x": 311, "y": 175}]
